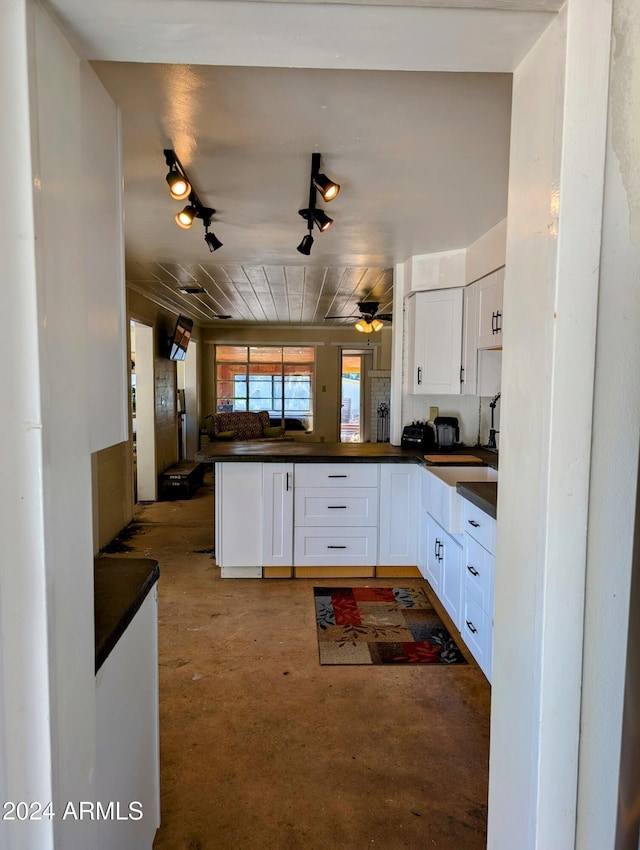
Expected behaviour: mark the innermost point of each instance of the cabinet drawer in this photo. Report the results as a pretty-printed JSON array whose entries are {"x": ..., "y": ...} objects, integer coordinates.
[
  {"x": 480, "y": 526},
  {"x": 336, "y": 475},
  {"x": 479, "y": 567},
  {"x": 336, "y": 506},
  {"x": 337, "y": 546},
  {"x": 477, "y": 632}
]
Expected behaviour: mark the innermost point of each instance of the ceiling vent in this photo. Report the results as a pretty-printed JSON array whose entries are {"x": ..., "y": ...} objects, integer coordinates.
[{"x": 193, "y": 290}]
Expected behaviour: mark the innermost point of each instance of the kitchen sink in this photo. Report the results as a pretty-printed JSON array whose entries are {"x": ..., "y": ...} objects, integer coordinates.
[{"x": 439, "y": 495}]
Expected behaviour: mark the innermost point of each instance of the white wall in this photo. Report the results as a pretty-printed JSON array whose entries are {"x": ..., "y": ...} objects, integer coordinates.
[
  {"x": 25, "y": 747},
  {"x": 555, "y": 204},
  {"x": 46, "y": 569},
  {"x": 616, "y": 436}
]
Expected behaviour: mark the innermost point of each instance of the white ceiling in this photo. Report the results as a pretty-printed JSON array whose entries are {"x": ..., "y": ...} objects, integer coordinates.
[{"x": 422, "y": 157}]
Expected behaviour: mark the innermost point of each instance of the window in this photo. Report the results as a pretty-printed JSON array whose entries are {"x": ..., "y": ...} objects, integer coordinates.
[{"x": 274, "y": 378}]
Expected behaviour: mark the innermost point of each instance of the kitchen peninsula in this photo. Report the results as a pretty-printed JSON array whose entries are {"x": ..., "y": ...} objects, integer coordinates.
[{"x": 324, "y": 510}]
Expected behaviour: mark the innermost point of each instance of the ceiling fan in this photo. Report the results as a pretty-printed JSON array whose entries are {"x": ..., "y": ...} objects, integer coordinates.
[{"x": 370, "y": 320}]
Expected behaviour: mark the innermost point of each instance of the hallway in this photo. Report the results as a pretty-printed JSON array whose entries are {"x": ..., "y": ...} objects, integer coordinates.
[{"x": 263, "y": 748}]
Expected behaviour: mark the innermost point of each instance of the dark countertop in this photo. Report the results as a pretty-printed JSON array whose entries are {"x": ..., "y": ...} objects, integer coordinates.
[
  {"x": 296, "y": 452},
  {"x": 482, "y": 494},
  {"x": 120, "y": 587}
]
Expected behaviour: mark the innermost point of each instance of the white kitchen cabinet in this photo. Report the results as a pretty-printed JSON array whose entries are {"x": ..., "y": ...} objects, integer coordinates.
[
  {"x": 399, "y": 502},
  {"x": 489, "y": 291},
  {"x": 277, "y": 514},
  {"x": 336, "y": 515},
  {"x": 478, "y": 582},
  {"x": 451, "y": 590},
  {"x": 440, "y": 562},
  {"x": 127, "y": 737},
  {"x": 238, "y": 519},
  {"x": 435, "y": 341},
  {"x": 433, "y": 555},
  {"x": 469, "y": 341}
]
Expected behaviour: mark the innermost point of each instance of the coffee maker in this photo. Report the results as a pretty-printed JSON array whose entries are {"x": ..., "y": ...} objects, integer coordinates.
[{"x": 447, "y": 433}]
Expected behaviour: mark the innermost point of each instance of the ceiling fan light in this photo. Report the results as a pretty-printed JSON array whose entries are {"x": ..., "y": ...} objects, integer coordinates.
[
  {"x": 376, "y": 325},
  {"x": 322, "y": 220},
  {"x": 305, "y": 246},
  {"x": 363, "y": 326},
  {"x": 327, "y": 188},
  {"x": 179, "y": 186},
  {"x": 184, "y": 218}
]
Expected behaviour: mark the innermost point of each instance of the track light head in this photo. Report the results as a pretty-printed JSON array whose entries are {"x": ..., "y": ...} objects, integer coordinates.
[
  {"x": 179, "y": 186},
  {"x": 305, "y": 246},
  {"x": 322, "y": 220},
  {"x": 184, "y": 218},
  {"x": 327, "y": 188},
  {"x": 212, "y": 240}
]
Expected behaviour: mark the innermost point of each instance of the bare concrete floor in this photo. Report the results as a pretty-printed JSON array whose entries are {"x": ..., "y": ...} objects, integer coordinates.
[{"x": 263, "y": 748}]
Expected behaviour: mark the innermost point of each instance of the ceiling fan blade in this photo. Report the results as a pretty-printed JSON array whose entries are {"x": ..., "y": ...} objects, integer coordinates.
[
  {"x": 385, "y": 317},
  {"x": 338, "y": 317},
  {"x": 217, "y": 316}
]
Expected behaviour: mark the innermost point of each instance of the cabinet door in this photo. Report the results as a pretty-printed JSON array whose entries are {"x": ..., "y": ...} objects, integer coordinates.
[
  {"x": 469, "y": 346},
  {"x": 434, "y": 554},
  {"x": 435, "y": 348},
  {"x": 277, "y": 514},
  {"x": 451, "y": 591},
  {"x": 490, "y": 291},
  {"x": 399, "y": 503}
]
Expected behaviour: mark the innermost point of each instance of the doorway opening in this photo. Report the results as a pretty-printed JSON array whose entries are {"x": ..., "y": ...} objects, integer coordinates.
[
  {"x": 354, "y": 395},
  {"x": 143, "y": 413}
]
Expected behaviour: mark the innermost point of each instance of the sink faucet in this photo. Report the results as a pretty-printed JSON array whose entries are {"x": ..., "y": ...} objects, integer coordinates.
[{"x": 492, "y": 431}]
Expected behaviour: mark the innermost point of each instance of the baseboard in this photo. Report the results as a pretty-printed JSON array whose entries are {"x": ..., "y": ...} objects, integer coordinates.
[
  {"x": 277, "y": 572},
  {"x": 398, "y": 572},
  {"x": 333, "y": 572}
]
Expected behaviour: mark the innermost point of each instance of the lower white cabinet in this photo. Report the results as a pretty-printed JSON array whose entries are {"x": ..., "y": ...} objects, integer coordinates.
[
  {"x": 326, "y": 546},
  {"x": 277, "y": 514},
  {"x": 127, "y": 738},
  {"x": 478, "y": 581},
  {"x": 238, "y": 519},
  {"x": 440, "y": 563},
  {"x": 399, "y": 505}
]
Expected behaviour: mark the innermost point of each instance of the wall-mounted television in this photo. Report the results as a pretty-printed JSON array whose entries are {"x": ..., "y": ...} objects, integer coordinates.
[{"x": 179, "y": 342}]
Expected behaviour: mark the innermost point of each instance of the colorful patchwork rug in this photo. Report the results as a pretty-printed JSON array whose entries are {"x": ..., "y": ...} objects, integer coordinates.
[{"x": 381, "y": 625}]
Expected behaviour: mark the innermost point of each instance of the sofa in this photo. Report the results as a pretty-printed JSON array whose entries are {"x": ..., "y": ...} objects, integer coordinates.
[{"x": 243, "y": 425}]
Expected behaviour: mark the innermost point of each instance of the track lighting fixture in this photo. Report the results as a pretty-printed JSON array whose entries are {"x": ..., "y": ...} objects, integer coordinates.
[
  {"x": 211, "y": 239},
  {"x": 328, "y": 190},
  {"x": 305, "y": 246},
  {"x": 184, "y": 218},
  {"x": 181, "y": 187}
]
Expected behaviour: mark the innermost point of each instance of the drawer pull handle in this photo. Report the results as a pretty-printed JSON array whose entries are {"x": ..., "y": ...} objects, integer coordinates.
[
  {"x": 337, "y": 507},
  {"x": 336, "y": 547},
  {"x": 472, "y": 570},
  {"x": 471, "y": 627},
  {"x": 337, "y": 476},
  {"x": 473, "y": 523},
  {"x": 419, "y": 375},
  {"x": 288, "y": 480}
]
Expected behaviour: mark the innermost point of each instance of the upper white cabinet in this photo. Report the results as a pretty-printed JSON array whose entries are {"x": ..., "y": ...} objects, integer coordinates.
[
  {"x": 435, "y": 341},
  {"x": 489, "y": 291},
  {"x": 469, "y": 342}
]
